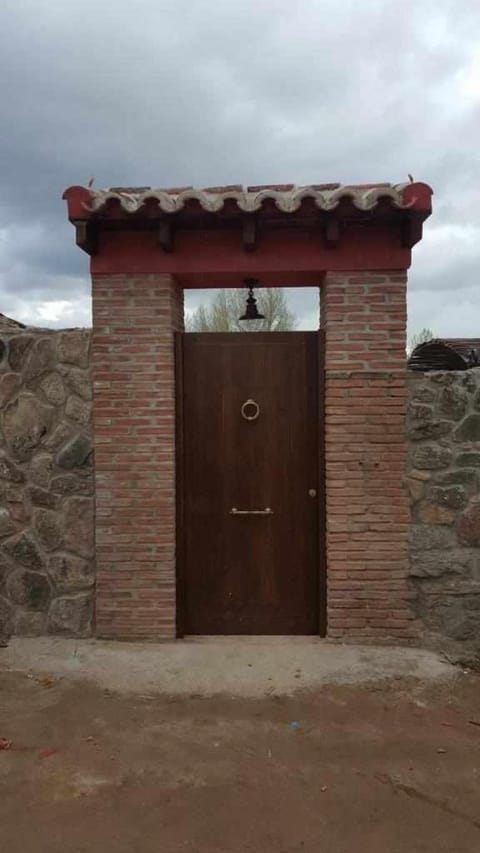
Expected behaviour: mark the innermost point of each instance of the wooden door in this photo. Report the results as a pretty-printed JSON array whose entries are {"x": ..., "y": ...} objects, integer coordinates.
[{"x": 249, "y": 478}]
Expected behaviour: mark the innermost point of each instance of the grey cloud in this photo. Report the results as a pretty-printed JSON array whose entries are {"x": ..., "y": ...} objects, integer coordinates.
[{"x": 176, "y": 92}]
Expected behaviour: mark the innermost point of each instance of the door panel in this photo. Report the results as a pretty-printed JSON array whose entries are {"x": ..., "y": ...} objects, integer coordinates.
[{"x": 250, "y": 573}]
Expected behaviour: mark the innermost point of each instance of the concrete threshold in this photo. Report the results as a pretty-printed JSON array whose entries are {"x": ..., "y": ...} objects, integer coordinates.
[{"x": 207, "y": 666}]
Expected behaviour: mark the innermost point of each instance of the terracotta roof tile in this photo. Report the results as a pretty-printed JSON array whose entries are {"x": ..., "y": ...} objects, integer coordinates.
[
  {"x": 128, "y": 189},
  {"x": 230, "y": 188},
  {"x": 278, "y": 187},
  {"x": 287, "y": 197}
]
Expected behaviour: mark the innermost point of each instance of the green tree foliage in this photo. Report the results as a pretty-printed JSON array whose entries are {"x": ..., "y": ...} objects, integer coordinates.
[{"x": 223, "y": 312}]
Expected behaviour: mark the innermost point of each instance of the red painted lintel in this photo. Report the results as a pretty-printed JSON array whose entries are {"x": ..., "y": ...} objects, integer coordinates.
[{"x": 204, "y": 258}]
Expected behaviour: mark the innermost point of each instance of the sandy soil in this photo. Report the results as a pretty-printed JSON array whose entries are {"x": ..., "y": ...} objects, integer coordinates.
[{"x": 382, "y": 768}]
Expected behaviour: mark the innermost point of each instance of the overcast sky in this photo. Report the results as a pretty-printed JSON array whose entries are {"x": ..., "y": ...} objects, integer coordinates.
[{"x": 204, "y": 92}]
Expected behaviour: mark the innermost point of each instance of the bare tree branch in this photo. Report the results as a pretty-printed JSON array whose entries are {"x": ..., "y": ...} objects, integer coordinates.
[
  {"x": 419, "y": 338},
  {"x": 227, "y": 306}
]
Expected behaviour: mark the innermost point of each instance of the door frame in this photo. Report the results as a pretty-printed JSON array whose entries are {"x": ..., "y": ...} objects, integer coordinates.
[{"x": 180, "y": 484}]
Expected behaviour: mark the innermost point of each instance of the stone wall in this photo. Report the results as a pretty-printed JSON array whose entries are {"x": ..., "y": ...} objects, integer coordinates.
[
  {"x": 46, "y": 481},
  {"x": 443, "y": 428},
  {"x": 47, "y": 571}
]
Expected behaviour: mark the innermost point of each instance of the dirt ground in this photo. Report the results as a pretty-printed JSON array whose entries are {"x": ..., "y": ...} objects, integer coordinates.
[{"x": 381, "y": 768}]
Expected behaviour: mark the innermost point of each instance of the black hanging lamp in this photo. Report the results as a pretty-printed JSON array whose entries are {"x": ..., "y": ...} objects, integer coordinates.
[{"x": 251, "y": 310}]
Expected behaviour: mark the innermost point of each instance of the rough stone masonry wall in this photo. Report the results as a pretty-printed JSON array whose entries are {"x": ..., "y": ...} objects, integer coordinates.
[
  {"x": 443, "y": 427},
  {"x": 46, "y": 481},
  {"x": 46, "y": 490}
]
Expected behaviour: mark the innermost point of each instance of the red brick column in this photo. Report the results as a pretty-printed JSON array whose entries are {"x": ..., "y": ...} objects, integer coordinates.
[
  {"x": 134, "y": 318},
  {"x": 364, "y": 318}
]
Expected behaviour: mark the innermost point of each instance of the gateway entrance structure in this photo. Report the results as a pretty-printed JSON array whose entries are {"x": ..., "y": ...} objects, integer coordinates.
[{"x": 250, "y": 484}]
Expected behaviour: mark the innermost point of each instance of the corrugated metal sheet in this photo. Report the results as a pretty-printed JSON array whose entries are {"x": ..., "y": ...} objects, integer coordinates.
[{"x": 446, "y": 354}]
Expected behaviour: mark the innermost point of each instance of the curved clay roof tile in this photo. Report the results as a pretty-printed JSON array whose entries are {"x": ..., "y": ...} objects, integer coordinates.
[{"x": 364, "y": 197}]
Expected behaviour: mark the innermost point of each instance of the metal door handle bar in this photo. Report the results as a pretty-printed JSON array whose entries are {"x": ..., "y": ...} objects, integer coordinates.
[{"x": 266, "y": 511}]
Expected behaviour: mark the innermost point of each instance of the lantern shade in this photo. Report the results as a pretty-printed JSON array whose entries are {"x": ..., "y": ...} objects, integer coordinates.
[{"x": 251, "y": 310}]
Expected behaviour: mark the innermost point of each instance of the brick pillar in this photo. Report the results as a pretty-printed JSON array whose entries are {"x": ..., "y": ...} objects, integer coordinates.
[
  {"x": 364, "y": 318},
  {"x": 134, "y": 318}
]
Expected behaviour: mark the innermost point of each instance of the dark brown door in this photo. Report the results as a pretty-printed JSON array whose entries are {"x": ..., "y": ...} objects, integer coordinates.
[{"x": 251, "y": 491}]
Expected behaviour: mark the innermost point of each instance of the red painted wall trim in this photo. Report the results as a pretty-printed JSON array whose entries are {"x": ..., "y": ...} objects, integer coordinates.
[{"x": 209, "y": 258}]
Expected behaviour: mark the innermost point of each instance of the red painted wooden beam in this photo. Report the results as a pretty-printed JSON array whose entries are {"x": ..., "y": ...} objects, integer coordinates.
[{"x": 213, "y": 250}]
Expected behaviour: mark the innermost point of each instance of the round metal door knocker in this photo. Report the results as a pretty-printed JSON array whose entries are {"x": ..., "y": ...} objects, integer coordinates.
[{"x": 250, "y": 410}]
